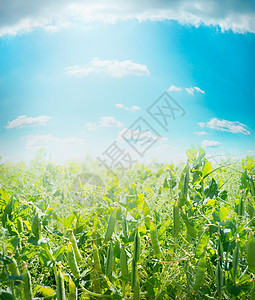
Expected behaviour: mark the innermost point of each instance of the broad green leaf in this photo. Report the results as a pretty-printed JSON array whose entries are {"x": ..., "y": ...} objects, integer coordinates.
[
  {"x": 191, "y": 153},
  {"x": 212, "y": 190},
  {"x": 207, "y": 168},
  {"x": 45, "y": 291},
  {"x": 201, "y": 153},
  {"x": 223, "y": 213}
]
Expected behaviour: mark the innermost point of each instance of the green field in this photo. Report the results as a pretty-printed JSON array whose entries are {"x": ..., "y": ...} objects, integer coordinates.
[{"x": 77, "y": 231}]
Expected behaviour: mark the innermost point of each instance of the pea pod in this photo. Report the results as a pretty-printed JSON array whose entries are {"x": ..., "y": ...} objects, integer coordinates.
[
  {"x": 123, "y": 263},
  {"x": 20, "y": 225},
  {"x": 13, "y": 267},
  {"x": 250, "y": 209},
  {"x": 60, "y": 286},
  {"x": 72, "y": 260},
  {"x": 137, "y": 247},
  {"x": 27, "y": 285},
  {"x": 96, "y": 238},
  {"x": 72, "y": 289},
  {"x": 154, "y": 240},
  {"x": 110, "y": 227},
  {"x": 201, "y": 268},
  {"x": 181, "y": 200},
  {"x": 146, "y": 213},
  {"x": 241, "y": 206},
  {"x": 235, "y": 261},
  {"x": 220, "y": 251},
  {"x": 202, "y": 244},
  {"x": 134, "y": 274},
  {"x": 96, "y": 258},
  {"x": 219, "y": 278},
  {"x": 191, "y": 231},
  {"x": 36, "y": 226},
  {"x": 183, "y": 186},
  {"x": 136, "y": 295},
  {"x": 96, "y": 281},
  {"x": 75, "y": 247},
  {"x": 109, "y": 261},
  {"x": 176, "y": 216},
  {"x": 125, "y": 227},
  {"x": 251, "y": 253}
]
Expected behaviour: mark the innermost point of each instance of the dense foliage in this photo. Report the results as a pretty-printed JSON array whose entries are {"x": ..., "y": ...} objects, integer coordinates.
[{"x": 157, "y": 232}]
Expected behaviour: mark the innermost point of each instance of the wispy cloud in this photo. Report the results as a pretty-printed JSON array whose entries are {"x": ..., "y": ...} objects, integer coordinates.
[
  {"x": 198, "y": 89},
  {"x": 109, "y": 122},
  {"x": 24, "y": 121},
  {"x": 224, "y": 125},
  {"x": 91, "y": 126},
  {"x": 133, "y": 108},
  {"x": 174, "y": 88},
  {"x": 113, "y": 68},
  {"x": 190, "y": 90},
  {"x": 207, "y": 143},
  {"x": 104, "y": 122},
  {"x": 19, "y": 16},
  {"x": 201, "y": 133},
  {"x": 37, "y": 141}
]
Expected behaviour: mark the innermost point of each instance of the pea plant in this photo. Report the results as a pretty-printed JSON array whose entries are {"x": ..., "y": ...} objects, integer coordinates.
[{"x": 159, "y": 232}]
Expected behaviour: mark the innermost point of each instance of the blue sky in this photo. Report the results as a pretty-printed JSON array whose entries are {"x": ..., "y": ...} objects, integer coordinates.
[{"x": 73, "y": 82}]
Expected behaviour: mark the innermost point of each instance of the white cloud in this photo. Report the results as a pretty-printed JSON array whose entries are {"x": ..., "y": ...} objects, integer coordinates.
[
  {"x": 207, "y": 143},
  {"x": 119, "y": 105},
  {"x": 201, "y": 133},
  {"x": 104, "y": 122},
  {"x": 109, "y": 122},
  {"x": 201, "y": 124},
  {"x": 113, "y": 68},
  {"x": 199, "y": 90},
  {"x": 24, "y": 121},
  {"x": 224, "y": 125},
  {"x": 34, "y": 142},
  {"x": 92, "y": 126},
  {"x": 18, "y": 16},
  {"x": 174, "y": 88},
  {"x": 133, "y": 108},
  {"x": 189, "y": 90}
]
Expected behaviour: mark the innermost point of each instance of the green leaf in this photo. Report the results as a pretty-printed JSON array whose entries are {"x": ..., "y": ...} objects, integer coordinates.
[
  {"x": 58, "y": 251},
  {"x": 191, "y": 153},
  {"x": 223, "y": 213},
  {"x": 212, "y": 190},
  {"x": 5, "y": 295},
  {"x": 45, "y": 291},
  {"x": 34, "y": 241},
  {"x": 207, "y": 168},
  {"x": 201, "y": 153},
  {"x": 163, "y": 227}
]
